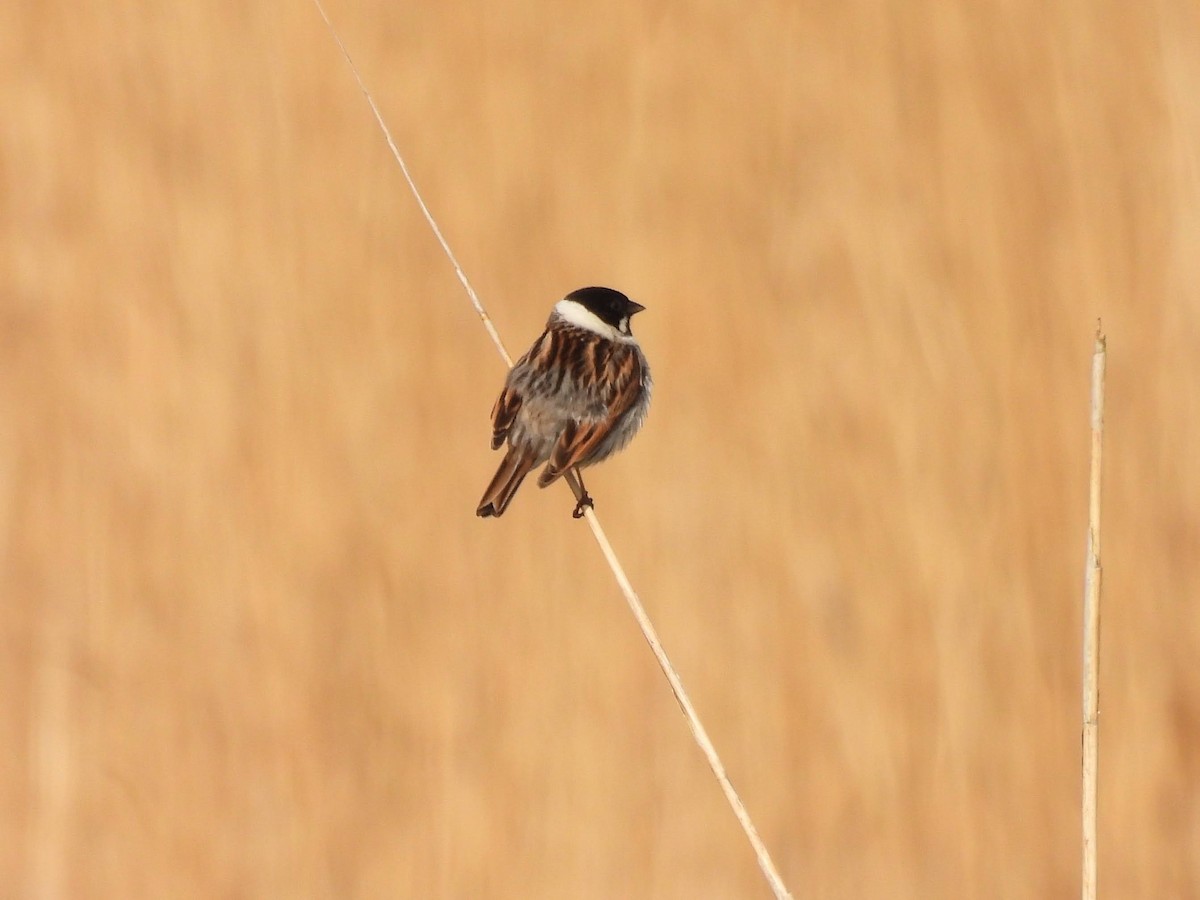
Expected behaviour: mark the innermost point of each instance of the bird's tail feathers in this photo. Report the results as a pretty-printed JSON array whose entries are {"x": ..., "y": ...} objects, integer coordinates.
[{"x": 504, "y": 484}]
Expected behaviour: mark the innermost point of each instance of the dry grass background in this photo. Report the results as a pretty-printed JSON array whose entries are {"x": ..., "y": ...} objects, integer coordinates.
[{"x": 256, "y": 644}]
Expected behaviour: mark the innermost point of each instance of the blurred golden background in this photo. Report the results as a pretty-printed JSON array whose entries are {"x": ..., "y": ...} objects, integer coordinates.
[{"x": 255, "y": 641}]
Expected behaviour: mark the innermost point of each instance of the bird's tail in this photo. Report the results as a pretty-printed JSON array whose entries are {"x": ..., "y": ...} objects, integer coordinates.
[{"x": 508, "y": 478}]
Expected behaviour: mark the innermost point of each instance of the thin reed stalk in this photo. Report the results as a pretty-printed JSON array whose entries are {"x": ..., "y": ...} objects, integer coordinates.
[
  {"x": 698, "y": 732},
  {"x": 1091, "y": 629}
]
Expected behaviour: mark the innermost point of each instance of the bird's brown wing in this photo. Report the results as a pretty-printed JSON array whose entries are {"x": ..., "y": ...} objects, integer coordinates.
[
  {"x": 579, "y": 440},
  {"x": 509, "y": 403},
  {"x": 504, "y": 413}
]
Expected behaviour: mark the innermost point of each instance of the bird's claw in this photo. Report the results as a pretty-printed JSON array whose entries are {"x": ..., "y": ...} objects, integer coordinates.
[{"x": 585, "y": 503}]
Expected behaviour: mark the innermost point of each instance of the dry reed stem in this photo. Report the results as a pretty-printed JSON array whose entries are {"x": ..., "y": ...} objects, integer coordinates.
[
  {"x": 698, "y": 732},
  {"x": 689, "y": 712},
  {"x": 1091, "y": 629}
]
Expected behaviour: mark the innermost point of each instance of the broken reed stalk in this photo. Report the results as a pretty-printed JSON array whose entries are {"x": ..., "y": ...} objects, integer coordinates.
[
  {"x": 1091, "y": 629},
  {"x": 701, "y": 736}
]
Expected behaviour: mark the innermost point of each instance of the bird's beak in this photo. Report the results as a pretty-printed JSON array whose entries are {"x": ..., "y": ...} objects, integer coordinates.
[{"x": 635, "y": 308}]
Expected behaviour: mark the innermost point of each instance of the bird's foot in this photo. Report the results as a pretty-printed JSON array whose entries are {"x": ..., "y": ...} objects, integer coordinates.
[{"x": 585, "y": 503}]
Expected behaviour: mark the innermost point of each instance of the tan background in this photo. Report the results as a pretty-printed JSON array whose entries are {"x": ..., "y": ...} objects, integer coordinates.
[{"x": 256, "y": 644}]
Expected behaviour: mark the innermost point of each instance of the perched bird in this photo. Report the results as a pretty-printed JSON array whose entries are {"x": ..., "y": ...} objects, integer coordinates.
[{"x": 576, "y": 397}]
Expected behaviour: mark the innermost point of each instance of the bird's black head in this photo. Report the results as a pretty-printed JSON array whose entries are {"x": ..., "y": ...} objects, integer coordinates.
[{"x": 611, "y": 307}]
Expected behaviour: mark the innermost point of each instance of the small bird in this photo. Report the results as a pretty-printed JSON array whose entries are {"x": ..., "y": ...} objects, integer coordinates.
[{"x": 576, "y": 397}]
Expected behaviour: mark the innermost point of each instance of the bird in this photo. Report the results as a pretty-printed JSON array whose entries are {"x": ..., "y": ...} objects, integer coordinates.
[{"x": 576, "y": 397}]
